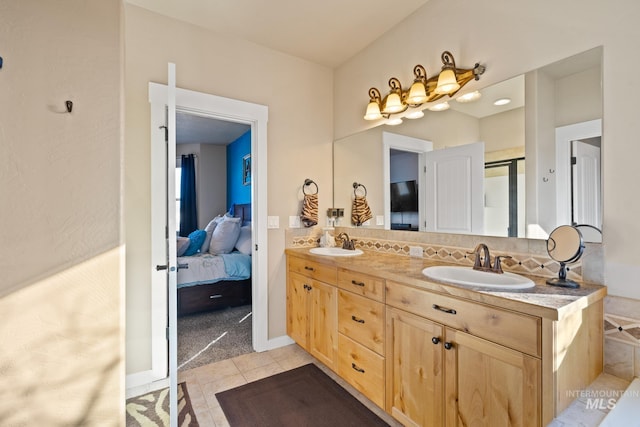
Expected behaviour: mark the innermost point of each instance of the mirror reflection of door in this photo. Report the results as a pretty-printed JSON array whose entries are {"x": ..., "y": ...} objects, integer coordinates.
[
  {"x": 504, "y": 202},
  {"x": 455, "y": 189},
  {"x": 585, "y": 182}
]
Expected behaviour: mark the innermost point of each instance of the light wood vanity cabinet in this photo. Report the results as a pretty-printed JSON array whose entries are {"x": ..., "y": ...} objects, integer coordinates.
[
  {"x": 434, "y": 359},
  {"x": 361, "y": 319},
  {"x": 312, "y": 308}
]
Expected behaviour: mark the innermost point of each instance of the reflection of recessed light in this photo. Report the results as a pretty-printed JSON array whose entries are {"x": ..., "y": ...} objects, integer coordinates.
[
  {"x": 502, "y": 101},
  {"x": 394, "y": 122},
  {"x": 440, "y": 107},
  {"x": 415, "y": 114},
  {"x": 469, "y": 97}
]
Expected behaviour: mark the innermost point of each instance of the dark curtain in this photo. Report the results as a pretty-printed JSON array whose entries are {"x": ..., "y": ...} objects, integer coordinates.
[{"x": 188, "y": 210}]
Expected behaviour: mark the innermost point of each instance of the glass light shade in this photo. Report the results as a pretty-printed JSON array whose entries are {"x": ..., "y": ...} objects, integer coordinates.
[
  {"x": 393, "y": 104},
  {"x": 395, "y": 121},
  {"x": 373, "y": 111},
  {"x": 417, "y": 94},
  {"x": 415, "y": 114},
  {"x": 447, "y": 82},
  {"x": 469, "y": 97}
]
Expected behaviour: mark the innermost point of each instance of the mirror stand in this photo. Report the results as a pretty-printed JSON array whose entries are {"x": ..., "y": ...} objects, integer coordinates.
[{"x": 562, "y": 280}]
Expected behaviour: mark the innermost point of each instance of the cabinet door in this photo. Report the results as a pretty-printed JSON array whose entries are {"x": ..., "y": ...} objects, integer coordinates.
[
  {"x": 490, "y": 385},
  {"x": 298, "y": 287},
  {"x": 323, "y": 331},
  {"x": 414, "y": 375}
]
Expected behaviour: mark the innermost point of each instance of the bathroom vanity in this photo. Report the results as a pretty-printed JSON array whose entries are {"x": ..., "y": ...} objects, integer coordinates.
[{"x": 431, "y": 353}]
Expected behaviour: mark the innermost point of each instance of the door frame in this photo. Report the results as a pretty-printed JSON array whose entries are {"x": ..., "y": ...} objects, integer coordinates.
[
  {"x": 256, "y": 116},
  {"x": 564, "y": 136}
]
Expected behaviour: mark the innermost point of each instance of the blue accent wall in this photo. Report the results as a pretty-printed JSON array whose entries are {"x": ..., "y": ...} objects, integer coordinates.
[{"x": 236, "y": 191}]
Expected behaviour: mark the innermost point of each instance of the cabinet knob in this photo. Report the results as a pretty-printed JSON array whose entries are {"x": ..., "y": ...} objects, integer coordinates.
[
  {"x": 435, "y": 340},
  {"x": 448, "y": 345}
]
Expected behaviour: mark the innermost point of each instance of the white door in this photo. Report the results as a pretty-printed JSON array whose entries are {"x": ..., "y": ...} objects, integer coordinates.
[
  {"x": 455, "y": 189},
  {"x": 586, "y": 184}
]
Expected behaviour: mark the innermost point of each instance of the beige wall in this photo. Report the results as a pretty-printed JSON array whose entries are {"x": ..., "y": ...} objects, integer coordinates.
[
  {"x": 61, "y": 257},
  {"x": 511, "y": 38},
  {"x": 299, "y": 96}
]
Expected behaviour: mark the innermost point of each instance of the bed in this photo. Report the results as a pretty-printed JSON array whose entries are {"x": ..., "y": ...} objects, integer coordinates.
[{"x": 212, "y": 282}]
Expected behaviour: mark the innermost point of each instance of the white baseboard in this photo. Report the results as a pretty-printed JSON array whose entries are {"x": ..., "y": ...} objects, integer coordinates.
[
  {"x": 279, "y": 342},
  {"x": 142, "y": 382}
]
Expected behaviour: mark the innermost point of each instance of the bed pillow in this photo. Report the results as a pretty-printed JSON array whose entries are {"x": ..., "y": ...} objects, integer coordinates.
[
  {"x": 243, "y": 244},
  {"x": 182, "y": 245},
  {"x": 195, "y": 242},
  {"x": 225, "y": 236},
  {"x": 209, "y": 230}
]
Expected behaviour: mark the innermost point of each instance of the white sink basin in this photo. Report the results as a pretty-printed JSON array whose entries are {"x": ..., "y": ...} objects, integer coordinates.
[
  {"x": 335, "y": 252},
  {"x": 468, "y": 276}
]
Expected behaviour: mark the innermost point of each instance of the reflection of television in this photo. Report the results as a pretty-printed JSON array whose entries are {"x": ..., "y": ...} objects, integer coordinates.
[{"x": 404, "y": 196}]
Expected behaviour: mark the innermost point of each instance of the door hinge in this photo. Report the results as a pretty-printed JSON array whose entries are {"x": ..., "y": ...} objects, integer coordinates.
[
  {"x": 256, "y": 246},
  {"x": 574, "y": 160},
  {"x": 167, "y": 333}
]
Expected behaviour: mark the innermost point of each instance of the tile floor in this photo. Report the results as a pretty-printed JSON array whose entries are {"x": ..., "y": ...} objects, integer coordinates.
[{"x": 205, "y": 381}]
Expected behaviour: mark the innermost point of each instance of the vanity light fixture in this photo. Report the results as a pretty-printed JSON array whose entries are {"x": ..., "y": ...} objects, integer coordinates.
[
  {"x": 416, "y": 114},
  {"x": 394, "y": 122},
  {"x": 423, "y": 90}
]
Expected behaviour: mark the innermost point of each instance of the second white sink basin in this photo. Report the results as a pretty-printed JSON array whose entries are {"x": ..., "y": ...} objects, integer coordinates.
[
  {"x": 335, "y": 251},
  {"x": 468, "y": 276}
]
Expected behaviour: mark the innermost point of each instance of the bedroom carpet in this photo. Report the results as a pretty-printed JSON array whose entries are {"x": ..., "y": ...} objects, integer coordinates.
[
  {"x": 301, "y": 397},
  {"x": 210, "y": 337},
  {"x": 152, "y": 409}
]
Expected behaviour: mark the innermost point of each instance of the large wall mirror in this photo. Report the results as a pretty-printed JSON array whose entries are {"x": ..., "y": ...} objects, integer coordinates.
[{"x": 516, "y": 169}]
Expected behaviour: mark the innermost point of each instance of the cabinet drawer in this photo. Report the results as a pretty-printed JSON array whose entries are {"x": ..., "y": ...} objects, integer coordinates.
[
  {"x": 362, "y": 368},
  {"x": 515, "y": 330},
  {"x": 315, "y": 270},
  {"x": 361, "y": 284},
  {"x": 362, "y": 320}
]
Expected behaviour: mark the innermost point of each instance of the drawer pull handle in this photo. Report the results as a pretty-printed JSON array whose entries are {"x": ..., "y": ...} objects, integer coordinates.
[
  {"x": 446, "y": 310},
  {"x": 355, "y": 319},
  {"x": 448, "y": 345},
  {"x": 435, "y": 340},
  {"x": 306, "y": 267},
  {"x": 215, "y": 296},
  {"x": 353, "y": 282},
  {"x": 357, "y": 368}
]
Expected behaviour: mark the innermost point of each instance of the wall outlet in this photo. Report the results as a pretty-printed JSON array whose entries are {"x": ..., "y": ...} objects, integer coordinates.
[
  {"x": 294, "y": 221},
  {"x": 415, "y": 251},
  {"x": 379, "y": 219}
]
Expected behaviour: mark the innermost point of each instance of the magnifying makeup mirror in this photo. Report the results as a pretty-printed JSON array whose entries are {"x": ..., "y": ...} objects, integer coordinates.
[{"x": 565, "y": 245}]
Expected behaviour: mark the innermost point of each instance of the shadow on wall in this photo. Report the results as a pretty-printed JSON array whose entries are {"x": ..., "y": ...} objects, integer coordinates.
[{"x": 61, "y": 354}]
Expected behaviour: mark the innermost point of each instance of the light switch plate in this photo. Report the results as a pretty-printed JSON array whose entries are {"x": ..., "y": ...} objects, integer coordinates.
[
  {"x": 379, "y": 219},
  {"x": 273, "y": 222},
  {"x": 294, "y": 221},
  {"x": 415, "y": 251}
]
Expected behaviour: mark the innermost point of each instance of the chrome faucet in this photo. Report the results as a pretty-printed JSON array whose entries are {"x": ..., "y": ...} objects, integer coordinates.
[
  {"x": 478, "y": 264},
  {"x": 347, "y": 243}
]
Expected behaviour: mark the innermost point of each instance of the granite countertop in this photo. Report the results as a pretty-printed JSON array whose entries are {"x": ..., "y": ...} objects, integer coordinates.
[{"x": 542, "y": 300}]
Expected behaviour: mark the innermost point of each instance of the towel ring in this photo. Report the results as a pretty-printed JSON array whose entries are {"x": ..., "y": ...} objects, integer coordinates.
[
  {"x": 308, "y": 182},
  {"x": 355, "y": 189}
]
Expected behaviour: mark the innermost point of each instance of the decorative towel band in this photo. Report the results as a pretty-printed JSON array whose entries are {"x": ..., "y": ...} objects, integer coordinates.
[
  {"x": 309, "y": 215},
  {"x": 360, "y": 212}
]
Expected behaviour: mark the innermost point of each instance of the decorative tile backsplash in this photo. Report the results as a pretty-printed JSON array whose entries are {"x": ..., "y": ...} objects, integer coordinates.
[
  {"x": 622, "y": 337},
  {"x": 449, "y": 248}
]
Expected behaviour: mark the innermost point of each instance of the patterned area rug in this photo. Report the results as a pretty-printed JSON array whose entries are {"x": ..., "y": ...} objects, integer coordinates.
[{"x": 152, "y": 409}]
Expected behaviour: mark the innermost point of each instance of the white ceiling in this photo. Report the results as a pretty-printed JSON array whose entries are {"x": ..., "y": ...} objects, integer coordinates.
[{"x": 326, "y": 32}]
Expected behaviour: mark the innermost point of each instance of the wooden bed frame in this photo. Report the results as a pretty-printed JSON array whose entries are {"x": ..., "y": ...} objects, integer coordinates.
[{"x": 218, "y": 295}]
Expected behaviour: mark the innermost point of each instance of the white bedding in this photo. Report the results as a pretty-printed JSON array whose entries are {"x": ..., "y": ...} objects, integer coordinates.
[{"x": 208, "y": 268}]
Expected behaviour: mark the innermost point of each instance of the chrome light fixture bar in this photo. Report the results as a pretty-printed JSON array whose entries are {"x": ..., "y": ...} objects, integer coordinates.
[{"x": 423, "y": 90}]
